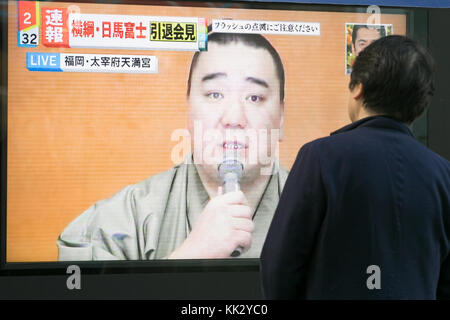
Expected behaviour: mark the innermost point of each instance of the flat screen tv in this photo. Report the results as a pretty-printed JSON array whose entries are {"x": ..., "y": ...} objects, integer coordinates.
[{"x": 126, "y": 126}]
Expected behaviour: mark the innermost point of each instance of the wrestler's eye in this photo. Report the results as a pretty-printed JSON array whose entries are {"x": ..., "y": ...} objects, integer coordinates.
[
  {"x": 254, "y": 98},
  {"x": 214, "y": 95}
]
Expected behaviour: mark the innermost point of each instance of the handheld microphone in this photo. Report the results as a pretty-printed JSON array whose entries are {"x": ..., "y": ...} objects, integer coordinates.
[{"x": 230, "y": 171}]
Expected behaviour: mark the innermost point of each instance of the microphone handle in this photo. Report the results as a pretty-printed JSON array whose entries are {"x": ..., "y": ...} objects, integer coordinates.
[{"x": 231, "y": 184}]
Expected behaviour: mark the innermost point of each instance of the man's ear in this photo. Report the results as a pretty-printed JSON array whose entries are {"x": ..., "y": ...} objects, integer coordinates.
[{"x": 357, "y": 91}]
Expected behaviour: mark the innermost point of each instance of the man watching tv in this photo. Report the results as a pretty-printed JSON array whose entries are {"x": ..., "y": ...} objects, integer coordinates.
[{"x": 365, "y": 213}]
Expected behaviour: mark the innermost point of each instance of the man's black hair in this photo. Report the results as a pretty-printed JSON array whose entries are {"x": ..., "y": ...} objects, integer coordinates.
[
  {"x": 381, "y": 30},
  {"x": 396, "y": 74},
  {"x": 252, "y": 40}
]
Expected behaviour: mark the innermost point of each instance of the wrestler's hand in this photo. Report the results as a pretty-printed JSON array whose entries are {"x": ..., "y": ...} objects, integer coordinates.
[{"x": 225, "y": 224}]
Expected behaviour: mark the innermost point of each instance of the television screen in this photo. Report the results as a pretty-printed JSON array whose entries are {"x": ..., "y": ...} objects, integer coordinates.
[{"x": 130, "y": 127}]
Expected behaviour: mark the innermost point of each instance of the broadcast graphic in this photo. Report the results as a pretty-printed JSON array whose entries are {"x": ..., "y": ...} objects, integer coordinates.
[
  {"x": 359, "y": 36},
  {"x": 150, "y": 132}
]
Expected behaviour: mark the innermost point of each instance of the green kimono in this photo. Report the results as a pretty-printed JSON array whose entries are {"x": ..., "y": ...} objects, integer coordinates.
[{"x": 149, "y": 220}]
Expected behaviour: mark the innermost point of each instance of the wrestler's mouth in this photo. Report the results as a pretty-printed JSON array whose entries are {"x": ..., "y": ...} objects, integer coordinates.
[{"x": 233, "y": 145}]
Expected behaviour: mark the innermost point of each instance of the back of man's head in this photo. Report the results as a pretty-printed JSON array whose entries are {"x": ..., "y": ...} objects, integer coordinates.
[{"x": 396, "y": 74}]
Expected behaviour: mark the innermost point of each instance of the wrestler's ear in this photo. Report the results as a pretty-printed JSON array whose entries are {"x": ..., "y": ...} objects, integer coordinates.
[{"x": 281, "y": 122}]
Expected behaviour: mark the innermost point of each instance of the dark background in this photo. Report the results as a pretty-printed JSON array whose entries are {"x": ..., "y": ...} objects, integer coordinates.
[
  {"x": 439, "y": 113},
  {"x": 243, "y": 284}
]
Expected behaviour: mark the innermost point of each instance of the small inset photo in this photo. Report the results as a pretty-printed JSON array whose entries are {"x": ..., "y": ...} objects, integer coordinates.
[{"x": 358, "y": 36}]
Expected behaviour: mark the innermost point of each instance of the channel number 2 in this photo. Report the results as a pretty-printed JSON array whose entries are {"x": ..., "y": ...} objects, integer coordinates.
[{"x": 28, "y": 38}]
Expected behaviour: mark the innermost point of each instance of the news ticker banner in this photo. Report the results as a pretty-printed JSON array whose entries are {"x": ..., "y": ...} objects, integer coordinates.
[
  {"x": 65, "y": 28},
  {"x": 75, "y": 62},
  {"x": 57, "y": 27}
]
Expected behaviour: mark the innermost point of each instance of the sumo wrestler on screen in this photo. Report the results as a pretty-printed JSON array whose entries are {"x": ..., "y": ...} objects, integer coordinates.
[{"x": 235, "y": 112}]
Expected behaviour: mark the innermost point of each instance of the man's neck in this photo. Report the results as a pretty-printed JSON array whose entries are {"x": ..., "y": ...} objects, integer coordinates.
[{"x": 364, "y": 112}]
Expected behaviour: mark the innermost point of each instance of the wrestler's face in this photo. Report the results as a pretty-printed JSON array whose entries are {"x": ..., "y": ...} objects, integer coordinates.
[
  {"x": 235, "y": 106},
  {"x": 364, "y": 38}
]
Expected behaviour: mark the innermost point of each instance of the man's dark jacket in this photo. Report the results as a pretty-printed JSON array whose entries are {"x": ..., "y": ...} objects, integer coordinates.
[{"x": 368, "y": 195}]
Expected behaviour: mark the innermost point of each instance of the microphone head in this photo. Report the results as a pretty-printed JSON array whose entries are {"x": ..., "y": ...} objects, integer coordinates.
[
  {"x": 231, "y": 166},
  {"x": 230, "y": 171}
]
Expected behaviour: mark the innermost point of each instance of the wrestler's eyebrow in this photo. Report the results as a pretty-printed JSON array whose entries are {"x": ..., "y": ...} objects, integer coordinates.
[
  {"x": 212, "y": 76},
  {"x": 258, "y": 81}
]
